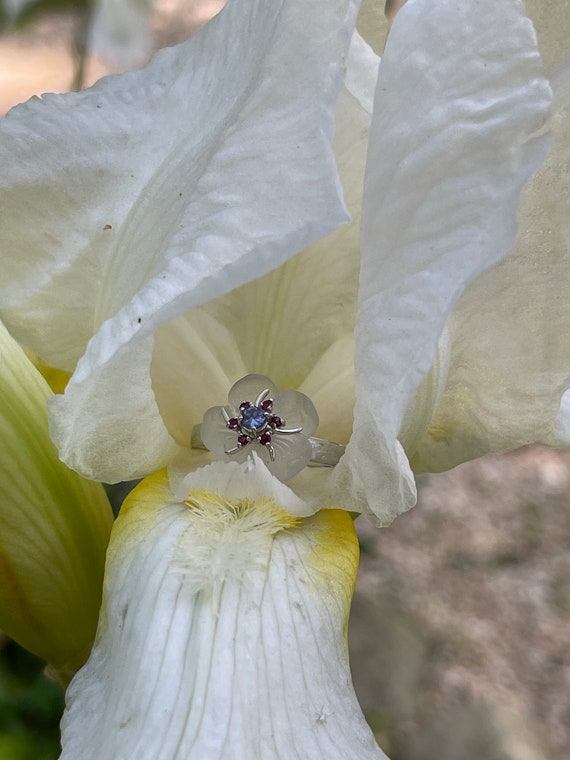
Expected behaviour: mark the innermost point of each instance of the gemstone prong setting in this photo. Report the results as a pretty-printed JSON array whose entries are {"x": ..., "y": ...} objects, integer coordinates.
[{"x": 255, "y": 422}]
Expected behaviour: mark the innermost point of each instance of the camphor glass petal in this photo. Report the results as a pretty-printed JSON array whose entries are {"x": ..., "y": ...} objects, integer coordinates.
[
  {"x": 298, "y": 411},
  {"x": 214, "y": 432},
  {"x": 248, "y": 389}
]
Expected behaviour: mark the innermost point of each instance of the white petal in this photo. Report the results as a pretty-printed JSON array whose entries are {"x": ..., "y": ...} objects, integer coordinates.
[
  {"x": 163, "y": 188},
  {"x": 292, "y": 454},
  {"x": 195, "y": 362},
  {"x": 177, "y": 198},
  {"x": 510, "y": 344},
  {"x": 283, "y": 322},
  {"x": 200, "y": 354},
  {"x": 330, "y": 386},
  {"x": 216, "y": 435},
  {"x": 222, "y": 636},
  {"x": 250, "y": 480},
  {"x": 459, "y": 98},
  {"x": 109, "y": 428},
  {"x": 263, "y": 326}
]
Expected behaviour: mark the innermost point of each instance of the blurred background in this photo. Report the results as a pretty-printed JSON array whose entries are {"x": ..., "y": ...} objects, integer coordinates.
[{"x": 460, "y": 628}]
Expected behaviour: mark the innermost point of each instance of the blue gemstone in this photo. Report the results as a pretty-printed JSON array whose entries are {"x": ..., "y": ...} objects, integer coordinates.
[{"x": 253, "y": 418}]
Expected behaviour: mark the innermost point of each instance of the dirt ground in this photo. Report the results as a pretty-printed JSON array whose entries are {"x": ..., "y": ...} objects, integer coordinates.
[{"x": 476, "y": 579}]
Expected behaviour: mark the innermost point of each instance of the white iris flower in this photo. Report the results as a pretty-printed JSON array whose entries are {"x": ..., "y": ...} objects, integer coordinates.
[{"x": 148, "y": 239}]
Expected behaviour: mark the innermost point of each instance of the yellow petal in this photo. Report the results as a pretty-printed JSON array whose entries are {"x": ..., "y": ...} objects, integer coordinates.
[{"x": 54, "y": 527}]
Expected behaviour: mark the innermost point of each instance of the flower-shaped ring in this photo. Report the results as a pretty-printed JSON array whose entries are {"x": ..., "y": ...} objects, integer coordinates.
[{"x": 278, "y": 426}]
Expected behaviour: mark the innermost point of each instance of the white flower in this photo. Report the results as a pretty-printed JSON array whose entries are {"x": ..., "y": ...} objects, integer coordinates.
[
  {"x": 165, "y": 233},
  {"x": 158, "y": 198}
]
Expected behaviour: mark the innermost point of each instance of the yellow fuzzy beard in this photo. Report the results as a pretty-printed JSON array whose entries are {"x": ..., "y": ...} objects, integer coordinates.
[{"x": 226, "y": 539}]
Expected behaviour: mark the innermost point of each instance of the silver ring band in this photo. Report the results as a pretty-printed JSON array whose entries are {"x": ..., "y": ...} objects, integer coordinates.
[{"x": 325, "y": 453}]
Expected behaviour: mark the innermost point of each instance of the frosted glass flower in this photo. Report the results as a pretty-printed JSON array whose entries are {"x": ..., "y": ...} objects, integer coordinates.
[{"x": 277, "y": 425}]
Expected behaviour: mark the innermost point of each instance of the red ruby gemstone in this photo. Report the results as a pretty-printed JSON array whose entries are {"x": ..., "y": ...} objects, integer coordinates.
[
  {"x": 276, "y": 421},
  {"x": 244, "y": 405},
  {"x": 264, "y": 439},
  {"x": 243, "y": 440},
  {"x": 233, "y": 423},
  {"x": 267, "y": 404}
]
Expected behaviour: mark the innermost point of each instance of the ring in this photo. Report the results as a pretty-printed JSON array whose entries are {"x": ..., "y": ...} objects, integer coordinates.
[
  {"x": 278, "y": 426},
  {"x": 324, "y": 453}
]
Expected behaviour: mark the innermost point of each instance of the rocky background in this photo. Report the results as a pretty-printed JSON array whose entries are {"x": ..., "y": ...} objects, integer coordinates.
[{"x": 460, "y": 630}]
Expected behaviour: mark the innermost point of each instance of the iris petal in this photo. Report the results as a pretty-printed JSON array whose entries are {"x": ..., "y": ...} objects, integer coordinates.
[
  {"x": 454, "y": 137},
  {"x": 247, "y": 607}
]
